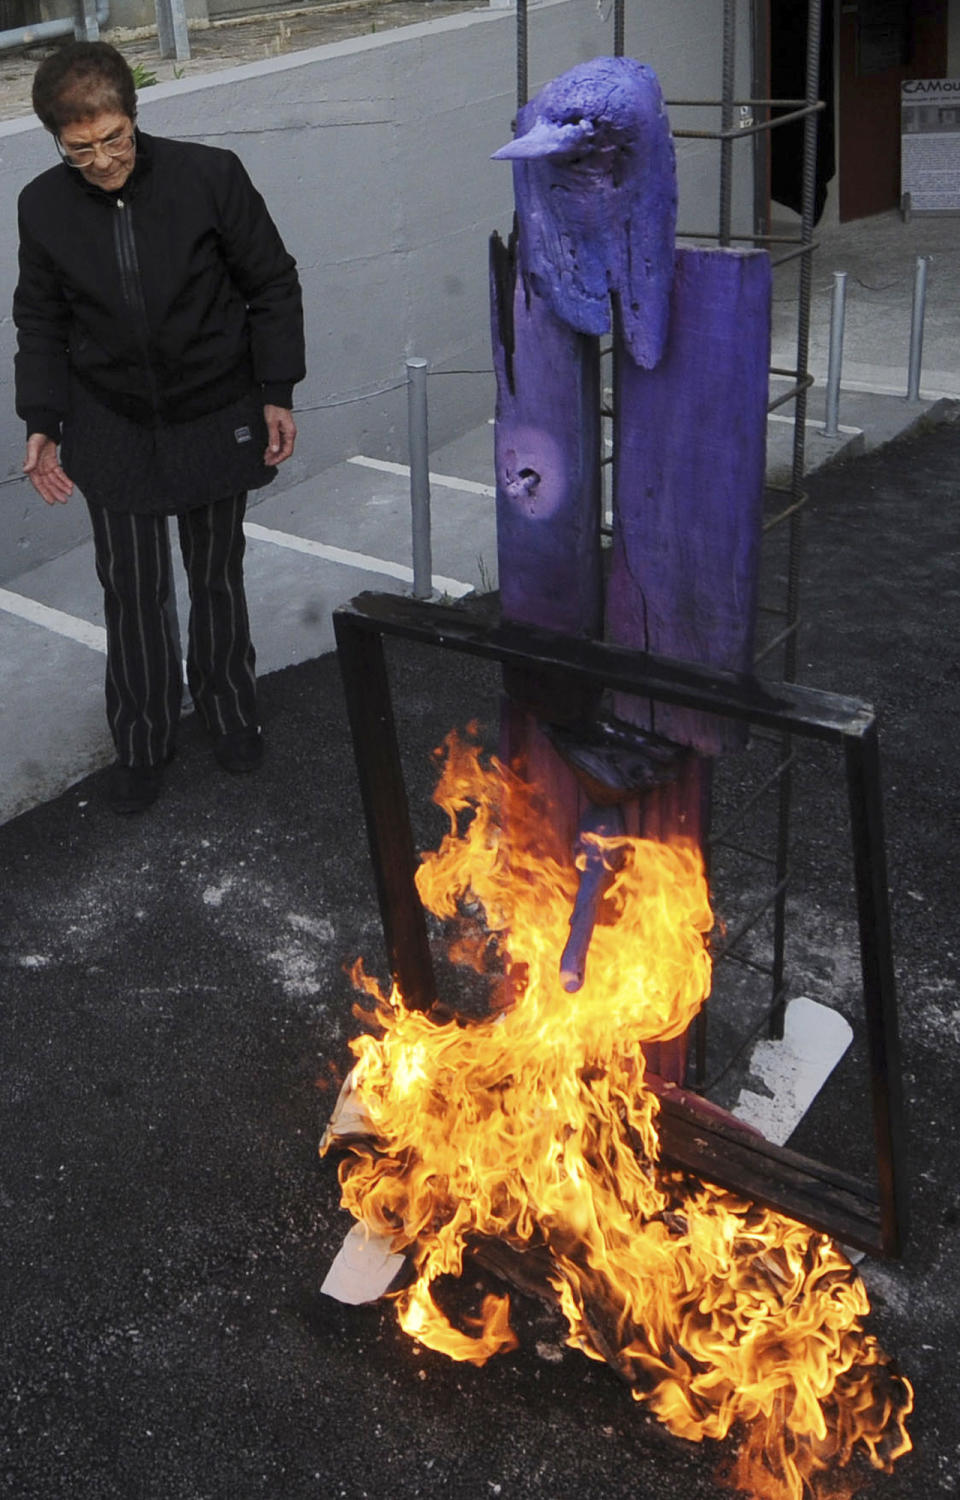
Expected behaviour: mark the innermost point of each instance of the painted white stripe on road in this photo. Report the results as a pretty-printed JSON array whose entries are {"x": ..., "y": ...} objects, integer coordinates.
[
  {"x": 948, "y": 390},
  {"x": 70, "y": 626},
  {"x": 359, "y": 560},
  {"x": 446, "y": 481},
  {"x": 775, "y": 416},
  {"x": 947, "y": 386},
  {"x": 794, "y": 1070}
]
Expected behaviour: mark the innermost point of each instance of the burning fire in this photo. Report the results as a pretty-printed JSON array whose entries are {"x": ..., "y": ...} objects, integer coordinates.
[{"x": 531, "y": 1129}]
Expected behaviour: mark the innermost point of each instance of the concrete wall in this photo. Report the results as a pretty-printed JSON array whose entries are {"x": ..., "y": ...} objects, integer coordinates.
[
  {"x": 374, "y": 157},
  {"x": 121, "y": 14}
]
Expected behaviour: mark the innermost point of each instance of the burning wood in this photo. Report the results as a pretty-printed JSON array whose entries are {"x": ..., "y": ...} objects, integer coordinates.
[{"x": 528, "y": 1140}]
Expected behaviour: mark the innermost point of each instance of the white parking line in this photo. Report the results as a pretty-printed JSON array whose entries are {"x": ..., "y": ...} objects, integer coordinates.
[
  {"x": 775, "y": 416},
  {"x": 446, "y": 481},
  {"x": 451, "y": 586},
  {"x": 70, "y": 626},
  {"x": 95, "y": 637}
]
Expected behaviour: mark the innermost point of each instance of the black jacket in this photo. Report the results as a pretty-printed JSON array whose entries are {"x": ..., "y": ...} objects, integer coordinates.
[{"x": 166, "y": 300}]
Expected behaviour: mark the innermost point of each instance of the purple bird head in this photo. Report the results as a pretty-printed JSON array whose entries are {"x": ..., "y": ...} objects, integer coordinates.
[{"x": 595, "y": 185}]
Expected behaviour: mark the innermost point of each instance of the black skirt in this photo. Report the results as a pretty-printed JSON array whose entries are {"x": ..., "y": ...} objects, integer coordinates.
[{"x": 162, "y": 470}]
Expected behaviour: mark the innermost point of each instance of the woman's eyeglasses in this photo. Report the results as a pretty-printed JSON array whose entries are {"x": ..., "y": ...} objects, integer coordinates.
[{"x": 84, "y": 156}]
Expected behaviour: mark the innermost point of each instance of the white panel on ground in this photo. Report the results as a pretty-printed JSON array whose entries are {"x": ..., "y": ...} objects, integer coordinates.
[
  {"x": 349, "y": 1117},
  {"x": 363, "y": 1268},
  {"x": 794, "y": 1069}
]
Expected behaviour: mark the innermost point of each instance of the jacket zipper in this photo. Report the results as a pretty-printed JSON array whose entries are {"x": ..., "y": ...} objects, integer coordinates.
[{"x": 132, "y": 289}]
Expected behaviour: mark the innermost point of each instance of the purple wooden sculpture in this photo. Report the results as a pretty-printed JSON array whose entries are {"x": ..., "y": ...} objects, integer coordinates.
[
  {"x": 595, "y": 189},
  {"x": 596, "y": 194}
]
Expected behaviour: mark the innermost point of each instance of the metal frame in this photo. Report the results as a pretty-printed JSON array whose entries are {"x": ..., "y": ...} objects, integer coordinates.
[{"x": 691, "y": 1137}]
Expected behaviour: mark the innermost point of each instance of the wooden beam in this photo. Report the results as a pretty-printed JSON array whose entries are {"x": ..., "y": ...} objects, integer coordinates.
[{"x": 689, "y": 456}]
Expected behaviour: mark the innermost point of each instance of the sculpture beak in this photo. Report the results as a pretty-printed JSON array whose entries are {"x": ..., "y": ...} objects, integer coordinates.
[{"x": 544, "y": 139}]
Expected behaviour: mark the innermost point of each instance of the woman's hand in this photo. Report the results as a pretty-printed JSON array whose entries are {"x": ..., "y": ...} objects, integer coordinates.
[
  {"x": 282, "y": 434},
  {"x": 42, "y": 468}
]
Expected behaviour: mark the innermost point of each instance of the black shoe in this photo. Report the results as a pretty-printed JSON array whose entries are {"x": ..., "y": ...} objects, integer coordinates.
[
  {"x": 239, "y": 751},
  {"x": 132, "y": 789}
]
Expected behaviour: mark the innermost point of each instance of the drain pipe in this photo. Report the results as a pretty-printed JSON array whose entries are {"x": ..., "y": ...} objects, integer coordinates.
[{"x": 86, "y": 28}]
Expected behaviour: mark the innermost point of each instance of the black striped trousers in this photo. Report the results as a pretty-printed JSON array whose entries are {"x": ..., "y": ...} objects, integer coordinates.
[{"x": 144, "y": 683}]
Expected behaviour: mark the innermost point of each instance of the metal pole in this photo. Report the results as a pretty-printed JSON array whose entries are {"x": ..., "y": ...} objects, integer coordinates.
[
  {"x": 88, "y": 23},
  {"x": 916, "y": 327},
  {"x": 835, "y": 365},
  {"x": 726, "y": 118},
  {"x": 809, "y": 179},
  {"x": 618, "y": 28},
  {"x": 879, "y": 982},
  {"x": 760, "y": 89},
  {"x": 522, "y": 83},
  {"x": 419, "y": 477}
]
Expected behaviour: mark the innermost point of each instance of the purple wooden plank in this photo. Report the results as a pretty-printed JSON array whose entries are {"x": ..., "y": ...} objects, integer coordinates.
[
  {"x": 689, "y": 458},
  {"x": 595, "y": 187},
  {"x": 547, "y": 458},
  {"x": 525, "y": 748},
  {"x": 678, "y": 810}
]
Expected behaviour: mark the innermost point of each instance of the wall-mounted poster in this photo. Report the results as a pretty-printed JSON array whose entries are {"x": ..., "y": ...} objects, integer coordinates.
[{"x": 930, "y": 145}]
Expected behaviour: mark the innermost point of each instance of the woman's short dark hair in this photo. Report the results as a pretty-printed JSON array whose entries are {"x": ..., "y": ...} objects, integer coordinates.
[{"x": 82, "y": 80}]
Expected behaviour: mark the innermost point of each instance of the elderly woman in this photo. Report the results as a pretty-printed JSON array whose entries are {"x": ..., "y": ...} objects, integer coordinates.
[{"x": 160, "y": 335}]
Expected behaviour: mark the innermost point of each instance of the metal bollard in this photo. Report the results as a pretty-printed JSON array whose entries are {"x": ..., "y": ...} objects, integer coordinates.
[
  {"x": 835, "y": 365},
  {"x": 916, "y": 327},
  {"x": 419, "y": 477}
]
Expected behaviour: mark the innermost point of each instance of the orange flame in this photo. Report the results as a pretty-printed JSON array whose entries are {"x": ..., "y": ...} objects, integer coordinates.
[{"x": 532, "y": 1127}]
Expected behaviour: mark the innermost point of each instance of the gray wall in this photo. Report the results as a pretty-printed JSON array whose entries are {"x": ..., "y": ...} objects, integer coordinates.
[
  {"x": 120, "y": 13},
  {"x": 373, "y": 156},
  {"x": 953, "y": 38}
]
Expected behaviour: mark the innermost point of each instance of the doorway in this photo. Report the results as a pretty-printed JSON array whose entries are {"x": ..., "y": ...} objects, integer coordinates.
[{"x": 880, "y": 43}]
